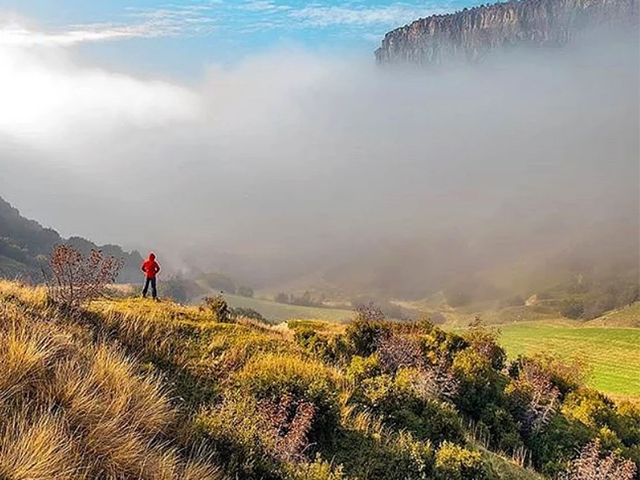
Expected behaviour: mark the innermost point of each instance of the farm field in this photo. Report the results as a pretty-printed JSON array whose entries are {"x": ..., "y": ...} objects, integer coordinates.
[
  {"x": 613, "y": 354},
  {"x": 280, "y": 312}
]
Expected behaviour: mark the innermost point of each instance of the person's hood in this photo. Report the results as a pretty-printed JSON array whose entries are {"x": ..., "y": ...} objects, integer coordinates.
[{"x": 152, "y": 256}]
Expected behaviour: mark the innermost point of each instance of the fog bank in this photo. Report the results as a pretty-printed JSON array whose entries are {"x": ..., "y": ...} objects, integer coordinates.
[{"x": 292, "y": 164}]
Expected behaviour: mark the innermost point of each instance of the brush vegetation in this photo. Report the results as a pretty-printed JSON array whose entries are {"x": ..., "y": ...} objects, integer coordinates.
[{"x": 133, "y": 389}]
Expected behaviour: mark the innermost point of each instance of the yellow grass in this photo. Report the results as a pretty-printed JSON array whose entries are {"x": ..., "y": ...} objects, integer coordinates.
[{"x": 73, "y": 409}]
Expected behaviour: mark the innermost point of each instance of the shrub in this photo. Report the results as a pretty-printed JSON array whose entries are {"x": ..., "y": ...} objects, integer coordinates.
[
  {"x": 396, "y": 403},
  {"x": 311, "y": 341},
  {"x": 363, "y": 333},
  {"x": 479, "y": 383},
  {"x": 281, "y": 297},
  {"x": 628, "y": 423},
  {"x": 318, "y": 469},
  {"x": 566, "y": 376},
  {"x": 237, "y": 434},
  {"x": 590, "y": 407},
  {"x": 484, "y": 340},
  {"x": 435, "y": 381},
  {"x": 456, "y": 463},
  {"x": 271, "y": 377},
  {"x": 287, "y": 425},
  {"x": 74, "y": 279},
  {"x": 218, "y": 305},
  {"x": 380, "y": 454},
  {"x": 532, "y": 397},
  {"x": 501, "y": 428},
  {"x": 395, "y": 352},
  {"x": 440, "y": 345},
  {"x": 362, "y": 368},
  {"x": 553, "y": 448},
  {"x": 245, "y": 291},
  {"x": 592, "y": 465}
]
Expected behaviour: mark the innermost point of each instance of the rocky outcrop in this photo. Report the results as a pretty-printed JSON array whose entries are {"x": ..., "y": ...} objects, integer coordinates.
[{"x": 472, "y": 33}]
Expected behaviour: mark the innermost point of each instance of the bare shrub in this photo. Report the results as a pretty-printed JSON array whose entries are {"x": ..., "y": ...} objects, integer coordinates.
[
  {"x": 437, "y": 381},
  {"x": 429, "y": 380},
  {"x": 288, "y": 423},
  {"x": 395, "y": 351},
  {"x": 591, "y": 465},
  {"x": 74, "y": 279},
  {"x": 535, "y": 393},
  {"x": 370, "y": 312}
]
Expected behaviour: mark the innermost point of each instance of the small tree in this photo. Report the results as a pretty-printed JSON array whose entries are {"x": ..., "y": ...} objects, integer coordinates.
[{"x": 74, "y": 279}]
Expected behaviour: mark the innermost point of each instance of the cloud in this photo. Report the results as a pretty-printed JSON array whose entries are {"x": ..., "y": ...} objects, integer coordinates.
[
  {"x": 46, "y": 97},
  {"x": 394, "y": 14},
  {"x": 203, "y": 18},
  {"x": 141, "y": 23},
  {"x": 264, "y": 6}
]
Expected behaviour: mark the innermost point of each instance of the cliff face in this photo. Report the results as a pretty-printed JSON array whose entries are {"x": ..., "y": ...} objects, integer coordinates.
[{"x": 472, "y": 33}]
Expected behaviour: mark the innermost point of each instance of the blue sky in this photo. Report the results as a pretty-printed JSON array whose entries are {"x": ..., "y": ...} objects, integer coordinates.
[{"x": 156, "y": 36}]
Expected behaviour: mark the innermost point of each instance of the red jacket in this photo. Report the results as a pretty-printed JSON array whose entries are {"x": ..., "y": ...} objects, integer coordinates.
[{"x": 150, "y": 267}]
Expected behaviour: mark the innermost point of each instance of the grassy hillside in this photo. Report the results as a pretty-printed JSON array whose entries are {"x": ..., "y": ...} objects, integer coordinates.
[
  {"x": 624, "y": 317},
  {"x": 136, "y": 389},
  {"x": 612, "y": 354}
]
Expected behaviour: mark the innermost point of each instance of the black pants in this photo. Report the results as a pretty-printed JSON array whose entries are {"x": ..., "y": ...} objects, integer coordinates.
[{"x": 152, "y": 282}]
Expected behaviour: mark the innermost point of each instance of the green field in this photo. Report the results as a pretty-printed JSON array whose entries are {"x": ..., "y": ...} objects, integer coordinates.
[
  {"x": 280, "y": 312},
  {"x": 613, "y": 354}
]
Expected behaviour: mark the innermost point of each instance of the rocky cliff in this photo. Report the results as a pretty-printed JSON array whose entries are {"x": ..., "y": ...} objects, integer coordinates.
[{"x": 472, "y": 33}]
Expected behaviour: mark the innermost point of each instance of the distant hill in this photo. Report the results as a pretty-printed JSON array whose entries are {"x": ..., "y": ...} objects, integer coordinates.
[{"x": 25, "y": 244}]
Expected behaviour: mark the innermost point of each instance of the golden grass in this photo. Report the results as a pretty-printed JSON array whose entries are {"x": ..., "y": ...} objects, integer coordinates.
[{"x": 73, "y": 409}]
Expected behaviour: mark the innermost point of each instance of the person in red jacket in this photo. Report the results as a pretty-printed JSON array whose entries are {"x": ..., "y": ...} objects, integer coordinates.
[{"x": 150, "y": 268}]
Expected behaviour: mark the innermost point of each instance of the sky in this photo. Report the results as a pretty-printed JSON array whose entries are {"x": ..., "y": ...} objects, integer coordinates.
[
  {"x": 261, "y": 137},
  {"x": 179, "y": 38}
]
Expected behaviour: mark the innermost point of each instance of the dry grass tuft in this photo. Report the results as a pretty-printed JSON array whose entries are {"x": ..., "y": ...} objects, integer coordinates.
[{"x": 74, "y": 409}]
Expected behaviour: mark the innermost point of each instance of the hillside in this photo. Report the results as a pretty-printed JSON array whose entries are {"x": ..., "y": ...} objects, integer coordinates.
[
  {"x": 137, "y": 389},
  {"x": 471, "y": 34},
  {"x": 24, "y": 245}
]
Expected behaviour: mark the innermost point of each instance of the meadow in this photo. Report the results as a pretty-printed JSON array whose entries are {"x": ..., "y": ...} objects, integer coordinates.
[
  {"x": 280, "y": 312},
  {"x": 612, "y": 354}
]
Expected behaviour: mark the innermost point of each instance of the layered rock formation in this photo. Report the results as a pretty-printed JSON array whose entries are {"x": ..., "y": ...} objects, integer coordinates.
[{"x": 472, "y": 33}]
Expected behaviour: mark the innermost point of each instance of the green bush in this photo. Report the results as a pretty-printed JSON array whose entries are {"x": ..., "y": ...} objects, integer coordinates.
[
  {"x": 589, "y": 407},
  {"x": 313, "y": 343},
  {"x": 480, "y": 384},
  {"x": 362, "y": 335},
  {"x": 271, "y": 376},
  {"x": 484, "y": 340},
  {"x": 395, "y": 402},
  {"x": 362, "y": 368},
  {"x": 318, "y": 469},
  {"x": 456, "y": 463},
  {"x": 501, "y": 427},
  {"x": 235, "y": 431},
  {"x": 439, "y": 345},
  {"x": 385, "y": 456},
  {"x": 553, "y": 448}
]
